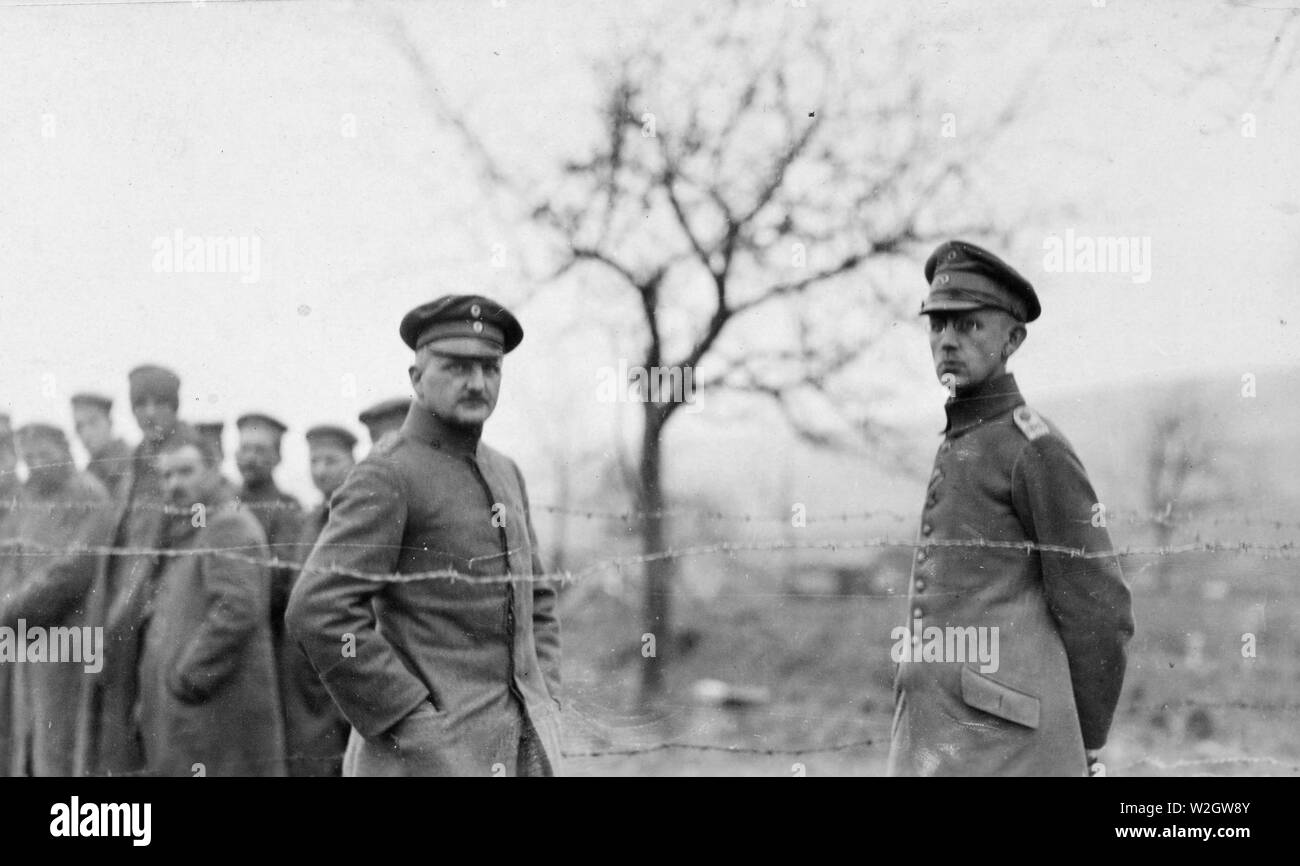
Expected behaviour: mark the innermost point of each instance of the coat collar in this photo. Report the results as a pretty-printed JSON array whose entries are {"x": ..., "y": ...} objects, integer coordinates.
[
  {"x": 423, "y": 426},
  {"x": 992, "y": 398}
]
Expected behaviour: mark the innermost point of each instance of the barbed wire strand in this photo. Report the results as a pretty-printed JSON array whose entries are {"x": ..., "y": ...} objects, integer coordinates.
[
  {"x": 31, "y": 547},
  {"x": 1165, "y": 519}
]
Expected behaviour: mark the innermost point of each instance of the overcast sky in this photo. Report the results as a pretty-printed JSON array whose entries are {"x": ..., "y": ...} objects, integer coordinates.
[{"x": 302, "y": 125}]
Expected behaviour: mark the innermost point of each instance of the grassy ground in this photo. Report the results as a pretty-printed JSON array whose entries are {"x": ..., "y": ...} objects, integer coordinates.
[{"x": 1192, "y": 704}]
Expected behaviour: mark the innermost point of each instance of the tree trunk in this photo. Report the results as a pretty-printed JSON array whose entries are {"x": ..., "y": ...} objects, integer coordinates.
[{"x": 659, "y": 573}]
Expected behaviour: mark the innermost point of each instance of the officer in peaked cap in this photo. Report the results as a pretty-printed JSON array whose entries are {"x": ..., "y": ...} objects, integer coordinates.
[
  {"x": 470, "y": 325},
  {"x": 963, "y": 276},
  {"x": 385, "y": 416},
  {"x": 442, "y": 682},
  {"x": 1059, "y": 624}
]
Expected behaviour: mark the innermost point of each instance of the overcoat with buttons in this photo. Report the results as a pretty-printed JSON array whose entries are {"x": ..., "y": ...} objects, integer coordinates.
[
  {"x": 1007, "y": 477},
  {"x": 437, "y": 676}
]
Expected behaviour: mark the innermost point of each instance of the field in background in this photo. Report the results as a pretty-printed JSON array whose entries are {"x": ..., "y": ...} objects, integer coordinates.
[{"x": 1191, "y": 703}]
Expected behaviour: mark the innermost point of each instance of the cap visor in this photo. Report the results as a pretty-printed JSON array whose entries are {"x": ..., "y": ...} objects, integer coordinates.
[
  {"x": 950, "y": 306},
  {"x": 464, "y": 347}
]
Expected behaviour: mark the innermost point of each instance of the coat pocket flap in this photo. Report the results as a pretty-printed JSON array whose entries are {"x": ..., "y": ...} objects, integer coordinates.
[{"x": 982, "y": 693}]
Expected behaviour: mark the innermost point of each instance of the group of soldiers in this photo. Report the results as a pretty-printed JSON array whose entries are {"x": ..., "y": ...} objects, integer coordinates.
[
  {"x": 420, "y": 636},
  {"x": 220, "y": 621}
]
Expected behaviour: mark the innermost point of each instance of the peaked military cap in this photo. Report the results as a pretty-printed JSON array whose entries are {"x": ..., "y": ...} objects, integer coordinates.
[
  {"x": 261, "y": 419},
  {"x": 37, "y": 431},
  {"x": 96, "y": 401},
  {"x": 391, "y": 408},
  {"x": 333, "y": 434},
  {"x": 150, "y": 380},
  {"x": 963, "y": 276},
  {"x": 466, "y": 319}
]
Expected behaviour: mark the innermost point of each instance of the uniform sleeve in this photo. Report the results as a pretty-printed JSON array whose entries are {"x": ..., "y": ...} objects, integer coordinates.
[
  {"x": 546, "y": 622},
  {"x": 235, "y": 609},
  {"x": 1087, "y": 596},
  {"x": 329, "y": 611},
  {"x": 57, "y": 588}
]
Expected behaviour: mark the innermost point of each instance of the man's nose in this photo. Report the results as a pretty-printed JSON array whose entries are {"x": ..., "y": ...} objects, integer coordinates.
[
  {"x": 477, "y": 380},
  {"x": 948, "y": 336}
]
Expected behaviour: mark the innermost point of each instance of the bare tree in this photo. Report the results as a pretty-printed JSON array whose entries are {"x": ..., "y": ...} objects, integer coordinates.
[
  {"x": 758, "y": 183},
  {"x": 1183, "y": 478},
  {"x": 749, "y": 197}
]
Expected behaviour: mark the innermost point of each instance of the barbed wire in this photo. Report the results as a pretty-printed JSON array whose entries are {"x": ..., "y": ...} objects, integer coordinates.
[
  {"x": 1164, "y": 519},
  {"x": 31, "y": 547},
  {"x": 289, "y": 761},
  {"x": 1204, "y": 762}
]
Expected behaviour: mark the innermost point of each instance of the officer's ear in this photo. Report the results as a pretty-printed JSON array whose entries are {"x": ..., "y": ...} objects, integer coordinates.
[{"x": 1016, "y": 335}]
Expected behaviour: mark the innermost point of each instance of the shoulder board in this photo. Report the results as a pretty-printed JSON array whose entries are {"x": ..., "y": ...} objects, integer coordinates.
[{"x": 1030, "y": 423}]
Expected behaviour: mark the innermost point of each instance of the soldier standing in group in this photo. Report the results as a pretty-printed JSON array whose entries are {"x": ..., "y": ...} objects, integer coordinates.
[
  {"x": 110, "y": 457},
  {"x": 1006, "y": 481},
  {"x": 315, "y": 731},
  {"x": 437, "y": 676},
  {"x": 9, "y": 494},
  {"x": 208, "y": 693},
  {"x": 128, "y": 578},
  {"x": 213, "y": 431},
  {"x": 279, "y": 513},
  {"x": 9, "y": 485},
  {"x": 384, "y": 417},
  {"x": 62, "y": 509}
]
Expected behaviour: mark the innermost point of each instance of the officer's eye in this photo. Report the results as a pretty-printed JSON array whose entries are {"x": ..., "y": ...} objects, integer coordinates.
[{"x": 967, "y": 326}]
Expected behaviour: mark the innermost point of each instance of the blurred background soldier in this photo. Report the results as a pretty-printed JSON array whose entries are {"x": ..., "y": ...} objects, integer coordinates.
[
  {"x": 129, "y": 578},
  {"x": 9, "y": 493},
  {"x": 110, "y": 457},
  {"x": 316, "y": 733},
  {"x": 61, "y": 509},
  {"x": 1004, "y": 474},
  {"x": 385, "y": 417},
  {"x": 213, "y": 431},
  {"x": 208, "y": 694},
  {"x": 9, "y": 485},
  {"x": 279, "y": 513},
  {"x": 448, "y": 677}
]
